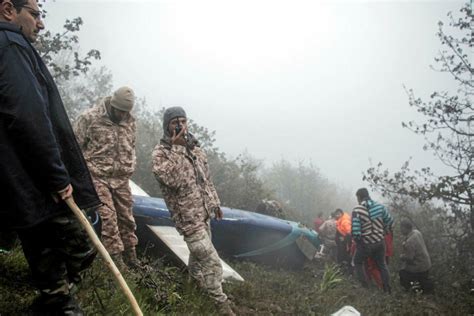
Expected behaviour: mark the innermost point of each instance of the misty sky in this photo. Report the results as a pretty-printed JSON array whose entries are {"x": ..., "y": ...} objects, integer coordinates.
[{"x": 310, "y": 81}]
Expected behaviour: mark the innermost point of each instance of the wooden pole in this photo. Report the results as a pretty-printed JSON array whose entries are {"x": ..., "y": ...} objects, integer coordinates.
[{"x": 103, "y": 252}]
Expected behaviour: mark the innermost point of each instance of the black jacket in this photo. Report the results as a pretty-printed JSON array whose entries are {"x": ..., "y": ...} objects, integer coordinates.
[{"x": 39, "y": 153}]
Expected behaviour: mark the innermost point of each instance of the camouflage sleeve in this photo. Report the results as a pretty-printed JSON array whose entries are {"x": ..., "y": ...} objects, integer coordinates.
[
  {"x": 208, "y": 176},
  {"x": 134, "y": 141},
  {"x": 164, "y": 169},
  {"x": 80, "y": 129},
  {"x": 214, "y": 192}
]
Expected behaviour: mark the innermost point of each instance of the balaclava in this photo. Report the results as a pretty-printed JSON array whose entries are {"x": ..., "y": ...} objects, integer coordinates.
[{"x": 171, "y": 113}]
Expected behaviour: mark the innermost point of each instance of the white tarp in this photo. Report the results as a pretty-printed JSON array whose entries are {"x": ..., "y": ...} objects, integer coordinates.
[{"x": 347, "y": 311}]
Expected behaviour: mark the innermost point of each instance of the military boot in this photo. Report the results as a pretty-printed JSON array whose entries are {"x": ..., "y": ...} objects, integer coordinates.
[
  {"x": 118, "y": 260},
  {"x": 60, "y": 305},
  {"x": 130, "y": 258},
  {"x": 224, "y": 309}
]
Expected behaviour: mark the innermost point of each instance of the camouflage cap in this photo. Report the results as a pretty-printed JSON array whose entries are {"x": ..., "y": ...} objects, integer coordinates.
[{"x": 123, "y": 99}]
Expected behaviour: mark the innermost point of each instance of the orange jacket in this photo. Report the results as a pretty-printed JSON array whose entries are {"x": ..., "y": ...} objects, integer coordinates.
[{"x": 343, "y": 224}]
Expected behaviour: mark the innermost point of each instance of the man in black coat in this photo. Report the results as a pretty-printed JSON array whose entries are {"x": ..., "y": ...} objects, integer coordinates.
[{"x": 40, "y": 164}]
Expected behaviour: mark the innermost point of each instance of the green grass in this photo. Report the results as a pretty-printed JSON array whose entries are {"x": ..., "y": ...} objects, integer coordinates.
[
  {"x": 317, "y": 289},
  {"x": 331, "y": 277}
]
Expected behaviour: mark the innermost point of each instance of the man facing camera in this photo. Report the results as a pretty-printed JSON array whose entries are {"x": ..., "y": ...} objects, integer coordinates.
[{"x": 181, "y": 168}]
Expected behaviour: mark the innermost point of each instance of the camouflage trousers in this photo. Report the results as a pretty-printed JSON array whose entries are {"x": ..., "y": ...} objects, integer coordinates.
[
  {"x": 204, "y": 264},
  {"x": 118, "y": 224},
  {"x": 57, "y": 250}
]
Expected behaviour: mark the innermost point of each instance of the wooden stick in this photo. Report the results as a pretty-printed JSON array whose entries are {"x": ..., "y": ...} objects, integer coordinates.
[{"x": 103, "y": 252}]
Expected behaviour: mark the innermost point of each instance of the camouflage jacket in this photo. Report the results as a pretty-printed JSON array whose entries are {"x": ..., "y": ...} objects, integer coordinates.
[
  {"x": 108, "y": 148},
  {"x": 187, "y": 188}
]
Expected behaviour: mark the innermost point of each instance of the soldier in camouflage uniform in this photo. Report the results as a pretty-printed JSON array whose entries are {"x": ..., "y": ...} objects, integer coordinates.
[
  {"x": 180, "y": 166},
  {"x": 106, "y": 134}
]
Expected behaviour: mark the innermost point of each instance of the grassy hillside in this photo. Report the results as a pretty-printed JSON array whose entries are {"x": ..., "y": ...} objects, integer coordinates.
[{"x": 318, "y": 289}]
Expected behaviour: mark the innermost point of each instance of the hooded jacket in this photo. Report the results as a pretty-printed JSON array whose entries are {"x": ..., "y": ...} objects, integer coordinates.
[
  {"x": 39, "y": 154},
  {"x": 108, "y": 147}
]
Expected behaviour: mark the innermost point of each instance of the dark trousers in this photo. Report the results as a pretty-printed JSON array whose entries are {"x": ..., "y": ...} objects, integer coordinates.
[
  {"x": 56, "y": 251},
  {"x": 375, "y": 251},
  {"x": 343, "y": 254},
  {"x": 416, "y": 281}
]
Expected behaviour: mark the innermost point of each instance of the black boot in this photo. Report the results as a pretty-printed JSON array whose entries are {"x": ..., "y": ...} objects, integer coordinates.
[{"x": 224, "y": 308}]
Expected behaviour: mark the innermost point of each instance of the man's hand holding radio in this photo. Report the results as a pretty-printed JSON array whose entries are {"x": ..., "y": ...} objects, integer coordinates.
[{"x": 179, "y": 133}]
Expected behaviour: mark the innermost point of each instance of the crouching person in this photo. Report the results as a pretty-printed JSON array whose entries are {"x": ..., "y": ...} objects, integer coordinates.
[
  {"x": 415, "y": 259},
  {"x": 180, "y": 166}
]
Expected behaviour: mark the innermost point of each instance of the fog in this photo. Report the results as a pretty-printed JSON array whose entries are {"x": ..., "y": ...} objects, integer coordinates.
[{"x": 306, "y": 81}]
